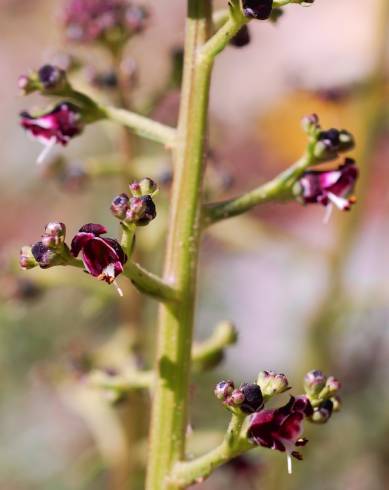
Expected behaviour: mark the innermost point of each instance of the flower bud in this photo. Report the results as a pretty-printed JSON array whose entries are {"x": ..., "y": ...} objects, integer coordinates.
[
  {"x": 322, "y": 413},
  {"x": 310, "y": 123},
  {"x": 53, "y": 78},
  {"x": 141, "y": 210},
  {"x": 242, "y": 37},
  {"x": 257, "y": 9},
  {"x": 332, "y": 142},
  {"x": 331, "y": 387},
  {"x": 253, "y": 399},
  {"x": 336, "y": 403},
  {"x": 236, "y": 399},
  {"x": 272, "y": 383},
  {"x": 119, "y": 206},
  {"x": 46, "y": 257},
  {"x": 314, "y": 382},
  {"x": 224, "y": 389},
  {"x": 26, "y": 258},
  {"x": 144, "y": 187}
]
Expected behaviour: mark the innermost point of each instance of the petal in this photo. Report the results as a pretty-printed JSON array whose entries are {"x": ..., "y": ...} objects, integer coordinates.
[
  {"x": 97, "y": 255},
  {"x": 94, "y": 228},
  {"x": 118, "y": 249},
  {"x": 79, "y": 242}
]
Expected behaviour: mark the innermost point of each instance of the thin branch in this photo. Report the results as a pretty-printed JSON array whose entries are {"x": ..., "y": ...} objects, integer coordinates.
[
  {"x": 142, "y": 126},
  {"x": 123, "y": 383},
  {"x": 234, "y": 443},
  {"x": 278, "y": 188},
  {"x": 148, "y": 283}
]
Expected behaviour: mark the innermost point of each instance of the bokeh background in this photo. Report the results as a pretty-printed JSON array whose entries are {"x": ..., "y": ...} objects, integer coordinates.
[{"x": 303, "y": 294}]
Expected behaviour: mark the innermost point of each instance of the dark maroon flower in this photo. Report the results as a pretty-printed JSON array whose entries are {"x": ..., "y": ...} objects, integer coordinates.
[
  {"x": 257, "y": 9},
  {"x": 109, "y": 21},
  {"x": 328, "y": 187},
  {"x": 281, "y": 428},
  {"x": 253, "y": 399},
  {"x": 102, "y": 257},
  {"x": 57, "y": 126}
]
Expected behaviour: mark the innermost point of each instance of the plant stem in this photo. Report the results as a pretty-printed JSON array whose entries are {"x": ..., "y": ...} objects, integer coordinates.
[
  {"x": 170, "y": 405},
  {"x": 234, "y": 444},
  {"x": 149, "y": 283},
  {"x": 142, "y": 126},
  {"x": 133, "y": 380},
  {"x": 278, "y": 188}
]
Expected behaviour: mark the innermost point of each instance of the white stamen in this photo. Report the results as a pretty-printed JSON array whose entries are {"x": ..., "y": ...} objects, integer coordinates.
[
  {"x": 340, "y": 202},
  {"x": 118, "y": 289},
  {"x": 328, "y": 213},
  {"x": 46, "y": 151},
  {"x": 289, "y": 463}
]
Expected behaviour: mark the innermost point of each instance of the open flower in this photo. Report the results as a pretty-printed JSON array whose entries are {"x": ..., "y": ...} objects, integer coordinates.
[
  {"x": 281, "y": 428},
  {"x": 102, "y": 257},
  {"x": 329, "y": 187},
  {"x": 57, "y": 126}
]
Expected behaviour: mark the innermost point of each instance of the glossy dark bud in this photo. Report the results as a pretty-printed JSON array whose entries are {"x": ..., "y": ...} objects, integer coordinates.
[
  {"x": 52, "y": 77},
  {"x": 141, "y": 210},
  {"x": 242, "y": 37},
  {"x": 45, "y": 256},
  {"x": 253, "y": 400},
  {"x": 257, "y": 9}
]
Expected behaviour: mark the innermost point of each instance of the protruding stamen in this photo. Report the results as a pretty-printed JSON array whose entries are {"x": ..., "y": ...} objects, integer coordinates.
[
  {"x": 328, "y": 213},
  {"x": 118, "y": 289},
  {"x": 289, "y": 463},
  {"x": 46, "y": 151}
]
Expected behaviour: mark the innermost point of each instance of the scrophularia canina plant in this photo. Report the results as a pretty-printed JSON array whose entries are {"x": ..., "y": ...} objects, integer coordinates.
[{"x": 280, "y": 427}]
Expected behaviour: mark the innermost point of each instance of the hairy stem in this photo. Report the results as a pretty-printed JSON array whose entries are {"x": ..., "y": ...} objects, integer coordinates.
[{"x": 170, "y": 404}]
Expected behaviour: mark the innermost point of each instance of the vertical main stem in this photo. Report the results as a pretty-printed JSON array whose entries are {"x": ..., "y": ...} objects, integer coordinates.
[{"x": 170, "y": 404}]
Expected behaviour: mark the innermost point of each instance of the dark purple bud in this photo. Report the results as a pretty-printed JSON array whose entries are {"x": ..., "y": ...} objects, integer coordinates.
[
  {"x": 241, "y": 38},
  {"x": 332, "y": 142},
  {"x": 144, "y": 187},
  {"x": 224, "y": 389},
  {"x": 141, "y": 210},
  {"x": 314, "y": 382},
  {"x": 46, "y": 257},
  {"x": 253, "y": 400},
  {"x": 27, "y": 259},
  {"x": 327, "y": 187},
  {"x": 119, "y": 206},
  {"x": 52, "y": 78},
  {"x": 60, "y": 125},
  {"x": 257, "y": 9},
  {"x": 272, "y": 383}
]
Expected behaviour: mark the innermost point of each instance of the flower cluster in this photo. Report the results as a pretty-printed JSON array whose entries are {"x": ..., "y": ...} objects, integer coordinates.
[
  {"x": 333, "y": 186},
  {"x": 102, "y": 258},
  {"x": 139, "y": 209},
  {"x": 111, "y": 22},
  {"x": 281, "y": 428}
]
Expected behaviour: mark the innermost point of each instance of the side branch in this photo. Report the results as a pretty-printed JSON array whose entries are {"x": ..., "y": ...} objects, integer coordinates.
[
  {"x": 142, "y": 126},
  {"x": 149, "y": 283},
  {"x": 279, "y": 188},
  {"x": 123, "y": 383},
  {"x": 234, "y": 443}
]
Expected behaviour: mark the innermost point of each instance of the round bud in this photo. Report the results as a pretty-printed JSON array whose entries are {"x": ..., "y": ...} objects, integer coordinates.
[
  {"x": 224, "y": 389},
  {"x": 314, "y": 382},
  {"x": 144, "y": 187},
  {"x": 26, "y": 258},
  {"x": 119, "y": 206},
  {"x": 253, "y": 398}
]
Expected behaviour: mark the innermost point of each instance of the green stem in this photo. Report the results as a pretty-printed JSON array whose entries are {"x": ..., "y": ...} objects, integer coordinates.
[
  {"x": 169, "y": 412},
  {"x": 133, "y": 380},
  {"x": 149, "y": 283},
  {"x": 278, "y": 188},
  {"x": 142, "y": 126},
  {"x": 234, "y": 443}
]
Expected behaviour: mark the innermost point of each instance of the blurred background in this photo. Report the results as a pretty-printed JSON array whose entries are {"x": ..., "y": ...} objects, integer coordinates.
[{"x": 302, "y": 294}]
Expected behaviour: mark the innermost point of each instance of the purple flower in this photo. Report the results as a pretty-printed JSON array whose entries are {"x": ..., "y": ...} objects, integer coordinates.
[
  {"x": 328, "y": 187},
  {"x": 281, "y": 428},
  {"x": 108, "y": 21},
  {"x": 102, "y": 257},
  {"x": 257, "y": 9},
  {"x": 57, "y": 126}
]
